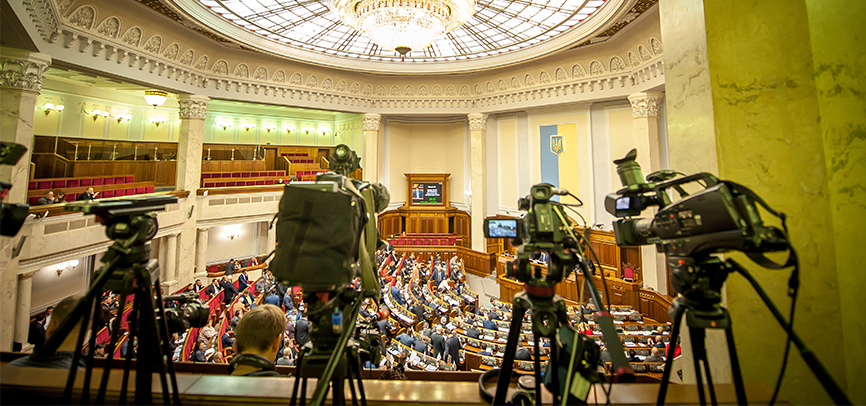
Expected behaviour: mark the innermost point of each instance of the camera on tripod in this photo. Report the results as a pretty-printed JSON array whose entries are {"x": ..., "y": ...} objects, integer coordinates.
[
  {"x": 542, "y": 227},
  {"x": 721, "y": 217},
  {"x": 188, "y": 312}
]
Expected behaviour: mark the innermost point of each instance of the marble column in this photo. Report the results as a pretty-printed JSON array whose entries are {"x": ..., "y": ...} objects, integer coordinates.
[
  {"x": 21, "y": 75},
  {"x": 478, "y": 179},
  {"x": 262, "y": 246},
  {"x": 192, "y": 110},
  {"x": 22, "y": 308},
  {"x": 171, "y": 260},
  {"x": 201, "y": 254},
  {"x": 272, "y": 239},
  {"x": 645, "y": 111},
  {"x": 162, "y": 257},
  {"x": 370, "y": 162}
]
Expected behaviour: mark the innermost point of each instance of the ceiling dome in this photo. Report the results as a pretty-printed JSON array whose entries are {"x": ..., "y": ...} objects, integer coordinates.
[{"x": 500, "y": 33}]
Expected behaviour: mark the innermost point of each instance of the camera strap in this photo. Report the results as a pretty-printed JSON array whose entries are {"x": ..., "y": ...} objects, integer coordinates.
[{"x": 253, "y": 360}]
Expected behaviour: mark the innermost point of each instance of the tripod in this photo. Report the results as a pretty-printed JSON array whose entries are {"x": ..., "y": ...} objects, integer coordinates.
[
  {"x": 127, "y": 270},
  {"x": 331, "y": 361}
]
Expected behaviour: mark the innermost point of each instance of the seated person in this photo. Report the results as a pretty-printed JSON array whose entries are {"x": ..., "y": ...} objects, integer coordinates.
[
  {"x": 88, "y": 194},
  {"x": 407, "y": 338},
  {"x": 523, "y": 354},
  {"x": 62, "y": 358},
  {"x": 487, "y": 351},
  {"x": 632, "y": 356},
  {"x": 47, "y": 199},
  {"x": 489, "y": 324},
  {"x": 228, "y": 338},
  {"x": 257, "y": 341},
  {"x": 655, "y": 357},
  {"x": 473, "y": 332}
]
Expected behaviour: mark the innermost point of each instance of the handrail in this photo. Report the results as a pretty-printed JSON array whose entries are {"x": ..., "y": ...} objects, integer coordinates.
[{"x": 57, "y": 209}]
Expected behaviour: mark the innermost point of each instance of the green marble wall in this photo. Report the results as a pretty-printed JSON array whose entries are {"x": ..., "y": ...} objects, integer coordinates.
[{"x": 788, "y": 120}]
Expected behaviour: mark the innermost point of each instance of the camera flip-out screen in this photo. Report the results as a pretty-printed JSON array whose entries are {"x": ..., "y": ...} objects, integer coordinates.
[
  {"x": 505, "y": 228},
  {"x": 623, "y": 203}
]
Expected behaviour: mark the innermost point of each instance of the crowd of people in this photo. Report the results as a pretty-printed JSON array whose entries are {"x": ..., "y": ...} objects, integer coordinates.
[{"x": 50, "y": 197}]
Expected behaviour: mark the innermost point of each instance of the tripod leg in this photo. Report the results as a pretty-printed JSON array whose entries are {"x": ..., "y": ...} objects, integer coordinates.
[
  {"x": 130, "y": 347},
  {"x": 338, "y": 390},
  {"x": 697, "y": 337},
  {"x": 352, "y": 387},
  {"x": 699, "y": 349},
  {"x": 300, "y": 367},
  {"x": 304, "y": 392},
  {"x": 164, "y": 337},
  {"x": 355, "y": 365},
  {"x": 85, "y": 319},
  {"x": 109, "y": 356},
  {"x": 666, "y": 374},
  {"x": 536, "y": 366},
  {"x": 518, "y": 310},
  {"x": 735, "y": 368},
  {"x": 88, "y": 360}
]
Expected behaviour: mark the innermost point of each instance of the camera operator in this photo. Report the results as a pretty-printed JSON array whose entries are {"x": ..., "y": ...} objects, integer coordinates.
[{"x": 258, "y": 338}]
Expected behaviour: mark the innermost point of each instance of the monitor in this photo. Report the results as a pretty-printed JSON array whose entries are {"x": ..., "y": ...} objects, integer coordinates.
[{"x": 427, "y": 193}]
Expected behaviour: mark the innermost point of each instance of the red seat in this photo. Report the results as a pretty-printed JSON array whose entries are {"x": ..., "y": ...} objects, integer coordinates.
[
  {"x": 45, "y": 184},
  {"x": 73, "y": 182},
  {"x": 94, "y": 182},
  {"x": 31, "y": 185},
  {"x": 260, "y": 182},
  {"x": 33, "y": 200},
  {"x": 108, "y": 181},
  {"x": 130, "y": 179},
  {"x": 245, "y": 174},
  {"x": 435, "y": 242},
  {"x": 230, "y": 183},
  {"x": 213, "y": 269},
  {"x": 119, "y": 192},
  {"x": 120, "y": 180},
  {"x": 149, "y": 189},
  {"x": 270, "y": 182},
  {"x": 452, "y": 241},
  {"x": 236, "y": 174},
  {"x": 58, "y": 184},
  {"x": 209, "y": 184},
  {"x": 205, "y": 176},
  {"x": 130, "y": 191},
  {"x": 107, "y": 193},
  {"x": 227, "y": 175},
  {"x": 220, "y": 184},
  {"x": 140, "y": 190},
  {"x": 254, "y": 174}
]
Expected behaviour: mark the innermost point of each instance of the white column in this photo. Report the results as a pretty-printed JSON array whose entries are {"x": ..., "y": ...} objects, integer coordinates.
[
  {"x": 163, "y": 258},
  {"x": 192, "y": 110},
  {"x": 22, "y": 72},
  {"x": 370, "y": 162},
  {"x": 171, "y": 260},
  {"x": 262, "y": 247},
  {"x": 272, "y": 239},
  {"x": 201, "y": 254},
  {"x": 478, "y": 179},
  {"x": 645, "y": 110},
  {"x": 22, "y": 308}
]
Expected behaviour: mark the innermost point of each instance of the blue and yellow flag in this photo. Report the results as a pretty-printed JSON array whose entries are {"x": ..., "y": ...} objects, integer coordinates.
[{"x": 559, "y": 156}]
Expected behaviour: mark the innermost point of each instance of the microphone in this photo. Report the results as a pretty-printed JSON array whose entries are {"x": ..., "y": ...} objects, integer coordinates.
[{"x": 560, "y": 192}]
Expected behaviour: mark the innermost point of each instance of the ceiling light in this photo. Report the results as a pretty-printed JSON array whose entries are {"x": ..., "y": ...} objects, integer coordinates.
[
  {"x": 155, "y": 98},
  {"x": 404, "y": 25}
]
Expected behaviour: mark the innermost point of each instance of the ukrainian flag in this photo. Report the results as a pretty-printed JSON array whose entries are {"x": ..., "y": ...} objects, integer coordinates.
[{"x": 559, "y": 156}]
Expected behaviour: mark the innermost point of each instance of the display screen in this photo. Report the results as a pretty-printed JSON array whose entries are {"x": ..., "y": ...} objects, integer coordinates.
[
  {"x": 506, "y": 228},
  {"x": 623, "y": 203},
  {"x": 427, "y": 193}
]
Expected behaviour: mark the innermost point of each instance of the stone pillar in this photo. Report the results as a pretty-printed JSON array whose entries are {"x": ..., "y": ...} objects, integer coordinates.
[
  {"x": 201, "y": 254},
  {"x": 22, "y": 308},
  {"x": 192, "y": 112},
  {"x": 162, "y": 257},
  {"x": 262, "y": 248},
  {"x": 780, "y": 111},
  {"x": 370, "y": 162},
  {"x": 272, "y": 239},
  {"x": 645, "y": 110},
  {"x": 21, "y": 75},
  {"x": 478, "y": 179},
  {"x": 171, "y": 260}
]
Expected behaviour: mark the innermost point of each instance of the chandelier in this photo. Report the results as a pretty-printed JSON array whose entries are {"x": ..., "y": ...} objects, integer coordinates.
[{"x": 403, "y": 25}]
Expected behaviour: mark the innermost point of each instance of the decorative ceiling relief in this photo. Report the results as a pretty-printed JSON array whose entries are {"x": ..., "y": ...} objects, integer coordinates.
[
  {"x": 172, "y": 51},
  {"x": 109, "y": 27},
  {"x": 83, "y": 17},
  {"x": 153, "y": 44},
  {"x": 261, "y": 74},
  {"x": 132, "y": 36},
  {"x": 279, "y": 77}
]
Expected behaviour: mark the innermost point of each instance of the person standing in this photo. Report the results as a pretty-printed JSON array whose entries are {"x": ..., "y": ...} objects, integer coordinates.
[
  {"x": 230, "y": 267},
  {"x": 452, "y": 348},
  {"x": 36, "y": 335},
  {"x": 302, "y": 331},
  {"x": 243, "y": 280},
  {"x": 229, "y": 288}
]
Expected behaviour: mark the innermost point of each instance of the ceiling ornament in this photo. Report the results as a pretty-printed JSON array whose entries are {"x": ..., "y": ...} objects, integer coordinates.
[{"x": 405, "y": 25}]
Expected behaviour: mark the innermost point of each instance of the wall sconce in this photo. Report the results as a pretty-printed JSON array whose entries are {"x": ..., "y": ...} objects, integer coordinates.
[
  {"x": 307, "y": 129},
  {"x": 100, "y": 114},
  {"x": 248, "y": 126},
  {"x": 324, "y": 129},
  {"x": 66, "y": 266},
  {"x": 49, "y": 107},
  {"x": 269, "y": 127},
  {"x": 289, "y": 128},
  {"x": 232, "y": 236},
  {"x": 224, "y": 123},
  {"x": 157, "y": 120},
  {"x": 122, "y": 117}
]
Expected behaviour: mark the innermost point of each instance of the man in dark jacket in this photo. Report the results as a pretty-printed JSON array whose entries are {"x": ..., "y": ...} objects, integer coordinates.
[
  {"x": 230, "y": 267},
  {"x": 243, "y": 280},
  {"x": 438, "y": 341},
  {"x": 523, "y": 354},
  {"x": 302, "y": 331},
  {"x": 229, "y": 288},
  {"x": 453, "y": 347},
  {"x": 489, "y": 323},
  {"x": 418, "y": 309},
  {"x": 227, "y": 339},
  {"x": 473, "y": 332},
  {"x": 36, "y": 335},
  {"x": 212, "y": 289}
]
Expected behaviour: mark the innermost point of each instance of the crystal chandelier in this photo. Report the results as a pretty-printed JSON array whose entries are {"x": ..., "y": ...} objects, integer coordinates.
[{"x": 403, "y": 25}]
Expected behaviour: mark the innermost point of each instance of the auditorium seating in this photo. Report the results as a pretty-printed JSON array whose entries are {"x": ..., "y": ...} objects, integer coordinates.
[
  {"x": 425, "y": 239},
  {"x": 231, "y": 179},
  {"x": 107, "y": 186}
]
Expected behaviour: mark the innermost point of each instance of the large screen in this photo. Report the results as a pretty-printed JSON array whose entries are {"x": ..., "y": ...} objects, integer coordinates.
[{"x": 427, "y": 193}]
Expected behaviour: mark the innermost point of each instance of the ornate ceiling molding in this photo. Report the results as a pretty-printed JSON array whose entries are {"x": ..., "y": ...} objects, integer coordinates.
[{"x": 134, "y": 54}]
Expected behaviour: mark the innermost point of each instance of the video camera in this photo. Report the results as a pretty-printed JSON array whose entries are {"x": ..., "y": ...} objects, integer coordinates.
[
  {"x": 188, "y": 312},
  {"x": 721, "y": 217},
  {"x": 543, "y": 227}
]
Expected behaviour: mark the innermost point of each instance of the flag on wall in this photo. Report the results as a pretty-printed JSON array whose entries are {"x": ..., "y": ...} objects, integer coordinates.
[{"x": 559, "y": 156}]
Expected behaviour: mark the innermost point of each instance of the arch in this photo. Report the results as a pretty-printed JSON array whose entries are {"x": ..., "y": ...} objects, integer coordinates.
[
  {"x": 478, "y": 90},
  {"x": 109, "y": 27},
  {"x": 577, "y": 71},
  {"x": 279, "y": 76},
  {"x": 295, "y": 79},
  {"x": 616, "y": 64},
  {"x": 312, "y": 81},
  {"x": 327, "y": 83},
  {"x": 422, "y": 91},
  {"x": 529, "y": 80},
  {"x": 656, "y": 46},
  {"x": 544, "y": 77},
  {"x": 220, "y": 67},
  {"x": 187, "y": 57},
  {"x": 633, "y": 59},
  {"x": 596, "y": 68},
  {"x": 451, "y": 90},
  {"x": 83, "y": 17},
  {"x": 464, "y": 90},
  {"x": 502, "y": 85},
  {"x": 261, "y": 73},
  {"x": 437, "y": 91},
  {"x": 380, "y": 91},
  {"x": 515, "y": 82},
  {"x": 409, "y": 91},
  {"x": 132, "y": 36},
  {"x": 395, "y": 91},
  {"x": 644, "y": 53},
  {"x": 153, "y": 44},
  {"x": 355, "y": 88},
  {"x": 560, "y": 75},
  {"x": 341, "y": 86},
  {"x": 202, "y": 63},
  {"x": 171, "y": 51},
  {"x": 242, "y": 71},
  {"x": 368, "y": 90}
]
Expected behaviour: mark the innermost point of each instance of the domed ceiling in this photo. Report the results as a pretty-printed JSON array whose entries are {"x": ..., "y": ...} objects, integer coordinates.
[{"x": 501, "y": 33}]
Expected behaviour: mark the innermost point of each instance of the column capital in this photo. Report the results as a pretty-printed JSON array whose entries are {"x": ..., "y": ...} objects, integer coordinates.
[
  {"x": 27, "y": 275},
  {"x": 645, "y": 104},
  {"x": 22, "y": 69},
  {"x": 477, "y": 122},
  {"x": 371, "y": 121},
  {"x": 192, "y": 106}
]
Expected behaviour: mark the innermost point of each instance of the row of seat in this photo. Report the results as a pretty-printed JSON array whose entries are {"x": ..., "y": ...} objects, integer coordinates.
[
  {"x": 295, "y": 154},
  {"x": 450, "y": 241},
  {"x": 216, "y": 175},
  {"x": 59, "y": 183},
  {"x": 115, "y": 191},
  {"x": 241, "y": 183}
]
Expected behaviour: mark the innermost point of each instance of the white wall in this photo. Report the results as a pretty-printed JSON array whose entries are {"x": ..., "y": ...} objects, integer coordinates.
[
  {"x": 220, "y": 248},
  {"x": 48, "y": 288}
]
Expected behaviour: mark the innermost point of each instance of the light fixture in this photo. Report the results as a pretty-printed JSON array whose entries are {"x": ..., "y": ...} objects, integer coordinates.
[
  {"x": 122, "y": 117},
  {"x": 269, "y": 127},
  {"x": 307, "y": 128},
  {"x": 155, "y": 98},
  {"x": 97, "y": 113},
  {"x": 224, "y": 123},
  {"x": 248, "y": 126},
  {"x": 325, "y": 129},
  {"x": 49, "y": 107},
  {"x": 289, "y": 128},
  {"x": 404, "y": 25},
  {"x": 157, "y": 120},
  {"x": 66, "y": 266}
]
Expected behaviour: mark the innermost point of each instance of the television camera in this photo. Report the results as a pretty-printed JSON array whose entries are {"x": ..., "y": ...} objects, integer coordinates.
[
  {"x": 544, "y": 228},
  {"x": 721, "y": 217}
]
